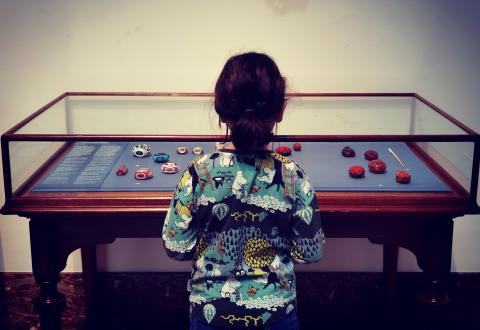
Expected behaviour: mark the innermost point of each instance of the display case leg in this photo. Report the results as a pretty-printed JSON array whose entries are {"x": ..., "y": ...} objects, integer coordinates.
[
  {"x": 47, "y": 264},
  {"x": 50, "y": 305},
  {"x": 390, "y": 263},
  {"x": 437, "y": 263},
  {"x": 89, "y": 272}
]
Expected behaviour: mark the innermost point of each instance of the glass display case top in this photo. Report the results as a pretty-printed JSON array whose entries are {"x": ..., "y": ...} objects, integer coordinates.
[
  {"x": 194, "y": 114},
  {"x": 412, "y": 134}
]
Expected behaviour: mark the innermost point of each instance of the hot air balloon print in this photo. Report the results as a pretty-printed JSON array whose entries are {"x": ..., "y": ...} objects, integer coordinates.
[
  {"x": 209, "y": 312},
  {"x": 305, "y": 214},
  {"x": 220, "y": 211}
]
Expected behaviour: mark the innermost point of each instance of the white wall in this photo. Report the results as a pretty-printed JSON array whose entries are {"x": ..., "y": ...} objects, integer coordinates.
[{"x": 51, "y": 46}]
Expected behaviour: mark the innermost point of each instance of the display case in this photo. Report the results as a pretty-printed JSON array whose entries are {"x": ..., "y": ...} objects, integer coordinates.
[
  {"x": 73, "y": 146},
  {"x": 60, "y": 170}
]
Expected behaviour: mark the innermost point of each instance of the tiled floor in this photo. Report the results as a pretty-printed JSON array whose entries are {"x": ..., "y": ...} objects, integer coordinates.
[{"x": 325, "y": 301}]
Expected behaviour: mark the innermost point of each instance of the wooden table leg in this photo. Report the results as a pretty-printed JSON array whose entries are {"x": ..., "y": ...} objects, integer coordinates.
[
  {"x": 436, "y": 262},
  {"x": 430, "y": 240},
  {"x": 390, "y": 263},
  {"x": 89, "y": 271},
  {"x": 52, "y": 240},
  {"x": 47, "y": 264}
]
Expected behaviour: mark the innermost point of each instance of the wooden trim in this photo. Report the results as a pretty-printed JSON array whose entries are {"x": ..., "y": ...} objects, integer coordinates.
[
  {"x": 475, "y": 170},
  {"x": 21, "y": 198},
  {"x": 113, "y": 137},
  {"x": 447, "y": 116},
  {"x": 211, "y": 94},
  {"x": 33, "y": 115},
  {"x": 95, "y": 137},
  {"x": 331, "y": 203},
  {"x": 27, "y": 202},
  {"x": 170, "y": 94},
  {"x": 7, "y": 174},
  {"x": 213, "y": 138},
  {"x": 408, "y": 94}
]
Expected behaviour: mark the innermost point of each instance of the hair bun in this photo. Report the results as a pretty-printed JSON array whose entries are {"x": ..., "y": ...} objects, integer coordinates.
[{"x": 249, "y": 94}]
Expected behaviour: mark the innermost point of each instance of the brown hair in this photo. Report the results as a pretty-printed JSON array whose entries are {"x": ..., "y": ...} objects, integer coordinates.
[{"x": 250, "y": 95}]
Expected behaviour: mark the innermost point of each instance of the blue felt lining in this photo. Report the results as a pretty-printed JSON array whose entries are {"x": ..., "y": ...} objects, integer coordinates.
[{"x": 323, "y": 162}]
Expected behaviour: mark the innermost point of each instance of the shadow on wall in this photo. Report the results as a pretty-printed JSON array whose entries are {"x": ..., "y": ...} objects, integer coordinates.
[{"x": 284, "y": 7}]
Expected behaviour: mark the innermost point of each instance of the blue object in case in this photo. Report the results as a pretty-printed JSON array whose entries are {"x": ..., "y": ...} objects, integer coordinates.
[{"x": 160, "y": 157}]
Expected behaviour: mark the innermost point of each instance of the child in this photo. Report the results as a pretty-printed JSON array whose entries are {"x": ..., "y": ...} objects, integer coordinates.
[{"x": 244, "y": 214}]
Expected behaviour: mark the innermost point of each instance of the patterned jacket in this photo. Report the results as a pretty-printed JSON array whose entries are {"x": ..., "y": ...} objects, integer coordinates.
[{"x": 244, "y": 219}]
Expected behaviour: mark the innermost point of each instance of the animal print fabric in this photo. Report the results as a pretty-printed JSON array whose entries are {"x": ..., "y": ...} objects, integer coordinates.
[{"x": 244, "y": 219}]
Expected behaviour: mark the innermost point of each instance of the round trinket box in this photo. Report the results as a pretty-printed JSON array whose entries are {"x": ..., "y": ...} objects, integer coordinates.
[
  {"x": 182, "y": 150},
  {"x": 348, "y": 152},
  {"x": 283, "y": 150},
  {"x": 143, "y": 173},
  {"x": 141, "y": 150},
  {"x": 356, "y": 171},
  {"x": 160, "y": 157},
  {"x": 371, "y": 155},
  {"x": 122, "y": 170},
  {"x": 377, "y": 166},
  {"x": 170, "y": 168},
  {"x": 197, "y": 150},
  {"x": 403, "y": 177},
  {"x": 297, "y": 146}
]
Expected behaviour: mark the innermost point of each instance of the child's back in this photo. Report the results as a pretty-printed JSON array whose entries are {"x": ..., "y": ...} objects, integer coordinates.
[{"x": 244, "y": 217}]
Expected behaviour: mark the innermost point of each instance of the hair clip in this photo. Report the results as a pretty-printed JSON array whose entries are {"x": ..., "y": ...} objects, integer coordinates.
[{"x": 261, "y": 105}]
